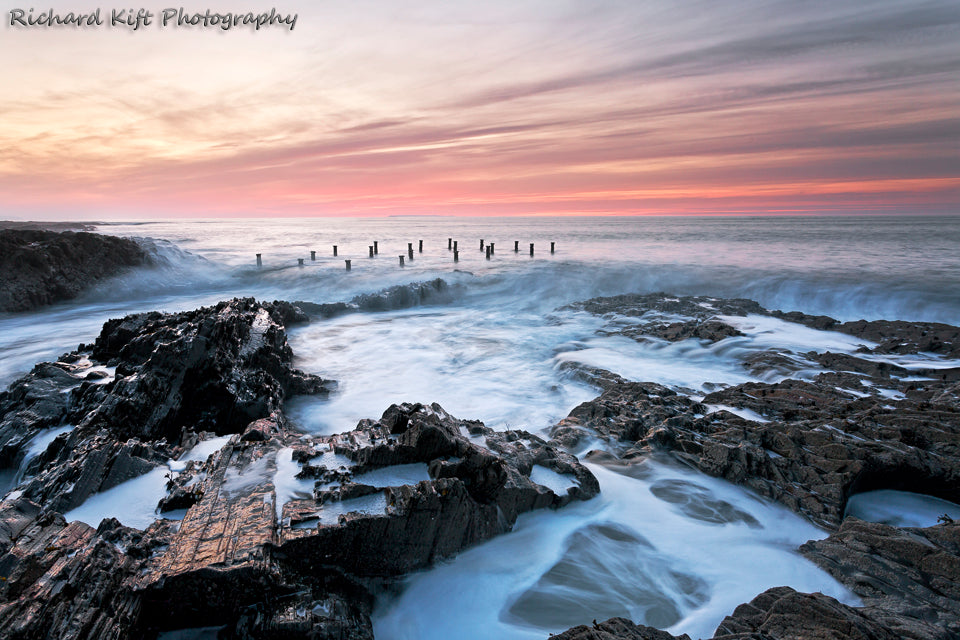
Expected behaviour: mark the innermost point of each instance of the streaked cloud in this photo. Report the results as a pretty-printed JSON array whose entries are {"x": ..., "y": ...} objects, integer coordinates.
[{"x": 526, "y": 107}]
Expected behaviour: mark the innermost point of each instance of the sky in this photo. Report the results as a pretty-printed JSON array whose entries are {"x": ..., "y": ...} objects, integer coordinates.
[{"x": 492, "y": 107}]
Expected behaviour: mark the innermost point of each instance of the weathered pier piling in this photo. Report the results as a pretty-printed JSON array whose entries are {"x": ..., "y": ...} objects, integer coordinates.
[
  {"x": 300, "y": 261},
  {"x": 313, "y": 255},
  {"x": 531, "y": 248},
  {"x": 259, "y": 259},
  {"x": 516, "y": 246},
  {"x": 455, "y": 245},
  {"x": 488, "y": 252},
  {"x": 552, "y": 246},
  {"x": 456, "y": 256},
  {"x": 371, "y": 250},
  {"x": 401, "y": 260},
  {"x": 334, "y": 251},
  {"x": 421, "y": 247},
  {"x": 348, "y": 264},
  {"x": 449, "y": 243},
  {"x": 491, "y": 249},
  {"x": 376, "y": 248},
  {"x": 410, "y": 250},
  {"x": 481, "y": 244}
]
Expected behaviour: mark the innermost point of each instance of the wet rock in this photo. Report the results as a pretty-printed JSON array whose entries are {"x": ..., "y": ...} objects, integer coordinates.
[
  {"x": 785, "y": 614},
  {"x": 42, "y": 267},
  {"x": 653, "y": 304},
  {"x": 858, "y": 425},
  {"x": 213, "y": 369},
  {"x": 475, "y": 492},
  {"x": 616, "y": 629},
  {"x": 819, "y": 447},
  {"x": 403, "y": 296},
  {"x": 908, "y": 579},
  {"x": 66, "y": 580}
]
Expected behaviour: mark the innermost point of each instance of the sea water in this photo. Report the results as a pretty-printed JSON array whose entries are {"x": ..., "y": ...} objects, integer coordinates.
[{"x": 497, "y": 346}]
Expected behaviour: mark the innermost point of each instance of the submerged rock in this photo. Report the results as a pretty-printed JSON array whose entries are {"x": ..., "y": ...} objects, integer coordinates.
[
  {"x": 42, "y": 267},
  {"x": 401, "y": 296}
]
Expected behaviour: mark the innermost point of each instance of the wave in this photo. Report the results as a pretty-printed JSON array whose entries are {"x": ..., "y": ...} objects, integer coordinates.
[{"x": 404, "y": 296}]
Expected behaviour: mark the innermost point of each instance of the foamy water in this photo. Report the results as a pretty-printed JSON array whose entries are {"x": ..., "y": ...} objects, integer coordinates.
[{"x": 497, "y": 347}]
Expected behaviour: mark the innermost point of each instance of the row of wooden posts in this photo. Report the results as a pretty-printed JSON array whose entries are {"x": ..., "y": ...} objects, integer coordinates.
[{"x": 374, "y": 249}]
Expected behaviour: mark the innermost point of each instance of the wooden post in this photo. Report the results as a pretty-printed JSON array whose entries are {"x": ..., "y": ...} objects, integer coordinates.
[
  {"x": 421, "y": 247},
  {"x": 334, "y": 251},
  {"x": 259, "y": 259},
  {"x": 531, "y": 248},
  {"x": 456, "y": 256},
  {"x": 348, "y": 264},
  {"x": 552, "y": 245},
  {"x": 488, "y": 252},
  {"x": 410, "y": 250},
  {"x": 376, "y": 249},
  {"x": 449, "y": 243},
  {"x": 300, "y": 261},
  {"x": 313, "y": 255},
  {"x": 455, "y": 245},
  {"x": 481, "y": 244},
  {"x": 401, "y": 260},
  {"x": 516, "y": 246},
  {"x": 371, "y": 250},
  {"x": 491, "y": 249}
]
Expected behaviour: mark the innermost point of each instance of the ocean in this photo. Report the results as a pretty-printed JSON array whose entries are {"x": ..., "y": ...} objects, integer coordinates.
[{"x": 492, "y": 343}]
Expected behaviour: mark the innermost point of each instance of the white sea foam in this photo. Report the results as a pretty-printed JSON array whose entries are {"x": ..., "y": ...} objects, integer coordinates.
[
  {"x": 286, "y": 483},
  {"x": 394, "y": 476},
  {"x": 374, "y": 504},
  {"x": 747, "y": 414},
  {"x": 900, "y": 508},
  {"x": 694, "y": 557},
  {"x": 559, "y": 483},
  {"x": 134, "y": 502}
]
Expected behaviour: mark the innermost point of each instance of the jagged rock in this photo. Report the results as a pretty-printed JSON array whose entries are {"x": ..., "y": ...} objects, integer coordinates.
[
  {"x": 475, "y": 492},
  {"x": 784, "y": 614},
  {"x": 858, "y": 426},
  {"x": 67, "y": 580},
  {"x": 820, "y": 445},
  {"x": 616, "y": 629},
  {"x": 42, "y": 267},
  {"x": 908, "y": 579},
  {"x": 215, "y": 369}
]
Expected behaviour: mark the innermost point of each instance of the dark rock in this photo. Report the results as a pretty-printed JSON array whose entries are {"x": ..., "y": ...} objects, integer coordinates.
[
  {"x": 616, "y": 629},
  {"x": 42, "y": 267},
  {"x": 908, "y": 579},
  {"x": 654, "y": 304},
  {"x": 403, "y": 296},
  {"x": 784, "y": 614}
]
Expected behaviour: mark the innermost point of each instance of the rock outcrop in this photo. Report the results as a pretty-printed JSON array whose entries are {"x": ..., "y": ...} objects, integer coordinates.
[
  {"x": 276, "y": 533},
  {"x": 42, "y": 267},
  {"x": 862, "y": 423}
]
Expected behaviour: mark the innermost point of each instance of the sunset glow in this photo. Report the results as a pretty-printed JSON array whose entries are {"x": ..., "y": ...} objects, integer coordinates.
[{"x": 529, "y": 107}]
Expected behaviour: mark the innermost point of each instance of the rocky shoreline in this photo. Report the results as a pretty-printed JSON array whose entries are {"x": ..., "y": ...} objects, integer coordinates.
[
  {"x": 40, "y": 267},
  {"x": 250, "y": 552},
  {"x": 276, "y": 533}
]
